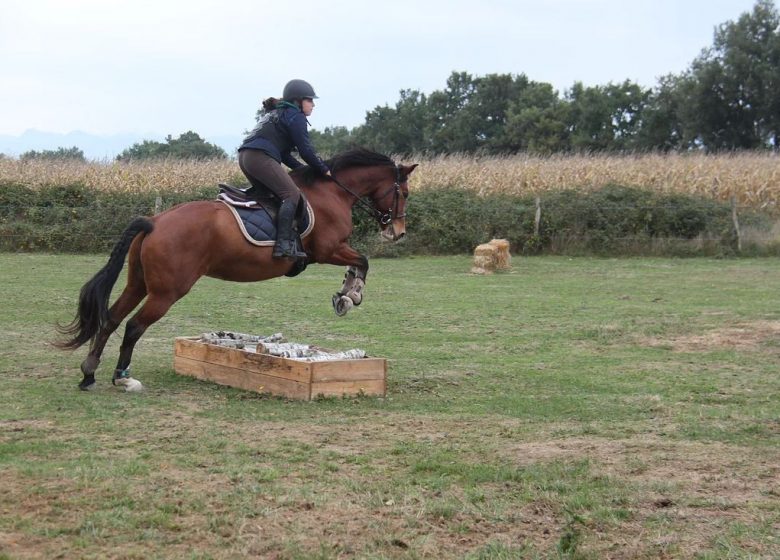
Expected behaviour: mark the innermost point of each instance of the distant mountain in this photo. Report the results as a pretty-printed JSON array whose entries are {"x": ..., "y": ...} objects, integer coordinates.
[{"x": 95, "y": 147}]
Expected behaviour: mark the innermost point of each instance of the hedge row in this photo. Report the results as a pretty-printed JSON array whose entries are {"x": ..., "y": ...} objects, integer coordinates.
[
  {"x": 75, "y": 218},
  {"x": 614, "y": 220}
]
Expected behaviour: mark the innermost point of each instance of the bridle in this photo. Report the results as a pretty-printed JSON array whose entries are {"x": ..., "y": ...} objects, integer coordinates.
[{"x": 391, "y": 214}]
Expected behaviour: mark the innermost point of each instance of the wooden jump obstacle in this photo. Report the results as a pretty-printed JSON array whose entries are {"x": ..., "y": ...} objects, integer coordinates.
[{"x": 285, "y": 377}]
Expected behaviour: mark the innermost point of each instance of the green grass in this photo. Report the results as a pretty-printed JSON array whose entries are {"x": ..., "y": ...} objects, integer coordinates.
[{"x": 571, "y": 408}]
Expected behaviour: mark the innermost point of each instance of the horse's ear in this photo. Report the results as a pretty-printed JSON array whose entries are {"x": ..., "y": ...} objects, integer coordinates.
[{"x": 407, "y": 169}]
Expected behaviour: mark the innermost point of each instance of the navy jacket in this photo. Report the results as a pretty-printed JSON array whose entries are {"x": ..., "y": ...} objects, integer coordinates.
[{"x": 280, "y": 131}]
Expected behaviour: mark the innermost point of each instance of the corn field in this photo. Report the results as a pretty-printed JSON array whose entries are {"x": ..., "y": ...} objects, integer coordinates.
[{"x": 753, "y": 179}]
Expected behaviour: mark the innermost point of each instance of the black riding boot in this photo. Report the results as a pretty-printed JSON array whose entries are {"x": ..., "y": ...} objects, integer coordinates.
[{"x": 286, "y": 245}]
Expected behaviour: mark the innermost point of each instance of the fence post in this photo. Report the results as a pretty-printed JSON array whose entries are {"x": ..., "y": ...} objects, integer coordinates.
[
  {"x": 538, "y": 216},
  {"x": 736, "y": 222},
  {"x": 157, "y": 205}
]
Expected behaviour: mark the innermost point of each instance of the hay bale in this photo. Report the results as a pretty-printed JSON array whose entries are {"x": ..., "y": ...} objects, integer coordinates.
[
  {"x": 484, "y": 259},
  {"x": 503, "y": 258}
]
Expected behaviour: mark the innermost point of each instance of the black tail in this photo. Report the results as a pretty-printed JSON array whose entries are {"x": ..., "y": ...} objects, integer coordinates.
[{"x": 92, "y": 314}]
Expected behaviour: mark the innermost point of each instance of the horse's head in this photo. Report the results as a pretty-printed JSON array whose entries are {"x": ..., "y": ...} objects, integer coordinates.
[
  {"x": 368, "y": 175},
  {"x": 391, "y": 202}
]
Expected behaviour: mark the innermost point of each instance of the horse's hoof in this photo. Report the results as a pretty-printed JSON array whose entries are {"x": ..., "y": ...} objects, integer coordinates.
[
  {"x": 342, "y": 304},
  {"x": 87, "y": 384}
]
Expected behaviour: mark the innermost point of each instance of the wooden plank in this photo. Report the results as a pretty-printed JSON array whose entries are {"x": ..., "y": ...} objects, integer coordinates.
[
  {"x": 294, "y": 370},
  {"x": 241, "y": 379},
  {"x": 349, "y": 370},
  {"x": 374, "y": 387}
]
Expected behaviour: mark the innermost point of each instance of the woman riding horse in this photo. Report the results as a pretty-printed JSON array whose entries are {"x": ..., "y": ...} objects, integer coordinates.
[{"x": 281, "y": 129}]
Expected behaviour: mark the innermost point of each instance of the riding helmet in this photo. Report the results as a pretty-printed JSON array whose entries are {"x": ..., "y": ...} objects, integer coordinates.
[{"x": 298, "y": 89}]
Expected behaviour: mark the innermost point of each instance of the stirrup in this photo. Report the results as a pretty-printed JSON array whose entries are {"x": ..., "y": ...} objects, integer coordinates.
[{"x": 287, "y": 249}]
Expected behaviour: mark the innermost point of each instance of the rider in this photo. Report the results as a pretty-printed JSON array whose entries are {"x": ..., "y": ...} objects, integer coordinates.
[{"x": 281, "y": 129}]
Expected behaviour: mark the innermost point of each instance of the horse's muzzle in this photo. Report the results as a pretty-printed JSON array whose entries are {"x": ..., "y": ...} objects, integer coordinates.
[{"x": 395, "y": 231}]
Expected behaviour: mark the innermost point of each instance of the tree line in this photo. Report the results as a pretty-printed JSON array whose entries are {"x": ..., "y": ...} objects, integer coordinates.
[
  {"x": 188, "y": 145},
  {"x": 728, "y": 99}
]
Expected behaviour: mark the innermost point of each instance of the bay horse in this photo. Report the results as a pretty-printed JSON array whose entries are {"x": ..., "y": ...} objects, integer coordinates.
[{"x": 169, "y": 252}]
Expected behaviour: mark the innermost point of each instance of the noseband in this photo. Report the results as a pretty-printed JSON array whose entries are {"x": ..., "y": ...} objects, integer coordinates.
[{"x": 383, "y": 218}]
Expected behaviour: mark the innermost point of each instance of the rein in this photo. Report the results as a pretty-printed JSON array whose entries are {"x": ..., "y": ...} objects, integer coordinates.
[{"x": 383, "y": 218}]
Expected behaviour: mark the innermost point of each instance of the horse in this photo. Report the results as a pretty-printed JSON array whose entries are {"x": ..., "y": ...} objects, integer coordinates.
[{"x": 169, "y": 252}]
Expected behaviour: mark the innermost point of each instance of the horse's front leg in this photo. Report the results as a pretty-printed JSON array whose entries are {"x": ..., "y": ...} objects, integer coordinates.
[{"x": 351, "y": 292}]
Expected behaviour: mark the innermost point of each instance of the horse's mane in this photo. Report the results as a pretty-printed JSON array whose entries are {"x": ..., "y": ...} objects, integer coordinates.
[{"x": 358, "y": 157}]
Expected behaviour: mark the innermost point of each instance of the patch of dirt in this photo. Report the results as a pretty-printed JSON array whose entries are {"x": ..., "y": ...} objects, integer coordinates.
[
  {"x": 13, "y": 425},
  {"x": 742, "y": 336},
  {"x": 228, "y": 508},
  {"x": 698, "y": 488}
]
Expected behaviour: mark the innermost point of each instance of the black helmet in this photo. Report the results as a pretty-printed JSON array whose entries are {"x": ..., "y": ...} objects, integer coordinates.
[{"x": 298, "y": 89}]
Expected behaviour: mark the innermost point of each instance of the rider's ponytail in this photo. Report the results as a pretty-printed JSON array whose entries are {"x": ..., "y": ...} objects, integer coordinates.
[{"x": 270, "y": 104}]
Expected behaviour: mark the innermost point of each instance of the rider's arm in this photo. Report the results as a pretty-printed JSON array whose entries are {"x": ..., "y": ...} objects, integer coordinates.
[
  {"x": 300, "y": 136},
  {"x": 290, "y": 161}
]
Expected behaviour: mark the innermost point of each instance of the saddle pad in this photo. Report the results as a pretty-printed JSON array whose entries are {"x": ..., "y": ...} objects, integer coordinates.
[{"x": 259, "y": 229}]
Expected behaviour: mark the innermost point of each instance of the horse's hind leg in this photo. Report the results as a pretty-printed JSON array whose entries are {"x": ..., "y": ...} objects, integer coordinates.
[
  {"x": 127, "y": 301},
  {"x": 152, "y": 310}
]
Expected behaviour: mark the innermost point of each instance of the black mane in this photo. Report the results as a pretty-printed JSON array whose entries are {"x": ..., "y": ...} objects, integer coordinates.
[{"x": 358, "y": 157}]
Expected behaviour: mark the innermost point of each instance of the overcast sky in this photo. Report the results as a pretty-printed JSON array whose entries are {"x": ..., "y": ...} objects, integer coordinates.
[{"x": 167, "y": 66}]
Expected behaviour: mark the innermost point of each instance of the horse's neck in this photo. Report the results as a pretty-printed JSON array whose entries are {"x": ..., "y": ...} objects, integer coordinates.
[
  {"x": 362, "y": 181},
  {"x": 355, "y": 185}
]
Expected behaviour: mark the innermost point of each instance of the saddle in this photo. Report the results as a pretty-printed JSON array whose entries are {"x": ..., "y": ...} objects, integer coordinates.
[
  {"x": 255, "y": 213},
  {"x": 250, "y": 198},
  {"x": 253, "y": 198}
]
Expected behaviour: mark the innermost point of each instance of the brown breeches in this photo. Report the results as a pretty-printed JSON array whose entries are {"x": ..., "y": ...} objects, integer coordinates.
[{"x": 265, "y": 173}]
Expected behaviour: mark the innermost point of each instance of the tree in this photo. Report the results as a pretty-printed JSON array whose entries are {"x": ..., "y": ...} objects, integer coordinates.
[
  {"x": 537, "y": 121},
  {"x": 447, "y": 129},
  {"x": 487, "y": 110},
  {"x": 627, "y": 103},
  {"x": 399, "y": 129},
  {"x": 470, "y": 115},
  {"x": 732, "y": 91},
  {"x": 605, "y": 118},
  {"x": 187, "y": 146},
  {"x": 63, "y": 154},
  {"x": 191, "y": 146},
  {"x": 333, "y": 140},
  {"x": 661, "y": 127},
  {"x": 590, "y": 121}
]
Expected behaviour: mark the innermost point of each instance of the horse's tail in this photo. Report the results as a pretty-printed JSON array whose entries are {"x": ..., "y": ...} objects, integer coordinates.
[{"x": 92, "y": 312}]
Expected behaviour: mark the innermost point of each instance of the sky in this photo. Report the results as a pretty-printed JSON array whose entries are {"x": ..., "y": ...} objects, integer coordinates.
[{"x": 159, "y": 67}]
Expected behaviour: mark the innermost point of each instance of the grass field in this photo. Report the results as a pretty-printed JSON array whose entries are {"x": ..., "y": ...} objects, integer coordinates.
[{"x": 571, "y": 408}]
